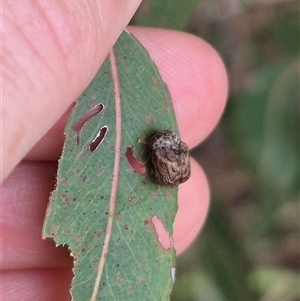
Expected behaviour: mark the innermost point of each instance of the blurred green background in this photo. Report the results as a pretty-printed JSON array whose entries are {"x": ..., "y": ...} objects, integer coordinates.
[{"x": 249, "y": 248}]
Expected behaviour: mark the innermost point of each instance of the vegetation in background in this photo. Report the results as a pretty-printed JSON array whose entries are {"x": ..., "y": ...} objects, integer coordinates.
[{"x": 249, "y": 248}]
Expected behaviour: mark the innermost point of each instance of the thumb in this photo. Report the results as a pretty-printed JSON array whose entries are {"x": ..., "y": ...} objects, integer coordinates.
[{"x": 51, "y": 51}]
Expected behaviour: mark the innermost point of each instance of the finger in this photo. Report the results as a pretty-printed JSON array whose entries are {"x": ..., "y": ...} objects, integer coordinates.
[
  {"x": 195, "y": 76},
  {"x": 51, "y": 51},
  {"x": 36, "y": 284},
  {"x": 24, "y": 197},
  {"x": 24, "y": 209},
  {"x": 196, "y": 79},
  {"x": 193, "y": 204}
]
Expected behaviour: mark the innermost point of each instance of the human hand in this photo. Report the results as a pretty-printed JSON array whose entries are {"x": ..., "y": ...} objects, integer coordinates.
[{"x": 51, "y": 51}]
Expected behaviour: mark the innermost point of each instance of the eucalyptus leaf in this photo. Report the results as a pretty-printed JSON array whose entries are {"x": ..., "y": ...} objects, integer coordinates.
[{"x": 106, "y": 207}]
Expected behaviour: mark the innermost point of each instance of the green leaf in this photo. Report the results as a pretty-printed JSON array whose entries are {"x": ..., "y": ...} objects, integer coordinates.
[
  {"x": 275, "y": 283},
  {"x": 116, "y": 221},
  {"x": 173, "y": 14},
  {"x": 225, "y": 261},
  {"x": 264, "y": 121}
]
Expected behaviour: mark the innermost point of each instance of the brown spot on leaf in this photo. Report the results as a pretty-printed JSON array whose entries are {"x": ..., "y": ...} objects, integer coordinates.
[
  {"x": 98, "y": 234},
  {"x": 66, "y": 199},
  {"x": 119, "y": 280},
  {"x": 78, "y": 237},
  {"x": 99, "y": 171},
  {"x": 168, "y": 194},
  {"x": 92, "y": 100},
  {"x": 54, "y": 231},
  {"x": 63, "y": 181},
  {"x": 164, "y": 105},
  {"x": 153, "y": 194},
  {"x": 156, "y": 83},
  {"x": 149, "y": 120}
]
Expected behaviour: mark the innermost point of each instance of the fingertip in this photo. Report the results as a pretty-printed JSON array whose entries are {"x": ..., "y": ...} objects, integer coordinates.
[
  {"x": 195, "y": 75},
  {"x": 193, "y": 206}
]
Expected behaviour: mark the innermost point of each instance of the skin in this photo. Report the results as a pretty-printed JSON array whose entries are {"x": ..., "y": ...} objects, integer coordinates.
[{"x": 51, "y": 51}]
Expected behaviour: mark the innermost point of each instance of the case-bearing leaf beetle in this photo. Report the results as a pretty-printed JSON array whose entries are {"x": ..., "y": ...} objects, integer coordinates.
[{"x": 170, "y": 159}]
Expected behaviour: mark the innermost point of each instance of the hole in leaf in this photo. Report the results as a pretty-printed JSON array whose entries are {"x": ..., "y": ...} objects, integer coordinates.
[
  {"x": 172, "y": 273},
  {"x": 163, "y": 235},
  {"x": 97, "y": 109},
  {"x": 99, "y": 138},
  {"x": 134, "y": 162}
]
